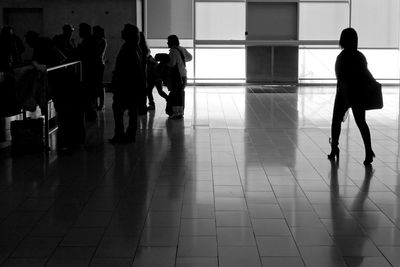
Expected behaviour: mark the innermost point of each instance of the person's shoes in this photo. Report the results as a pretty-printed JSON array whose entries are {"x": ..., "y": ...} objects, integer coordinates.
[
  {"x": 151, "y": 107},
  {"x": 369, "y": 157},
  {"x": 118, "y": 139},
  {"x": 334, "y": 153}
]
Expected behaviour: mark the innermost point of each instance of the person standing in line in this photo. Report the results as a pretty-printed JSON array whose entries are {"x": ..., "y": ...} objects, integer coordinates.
[
  {"x": 145, "y": 55},
  {"x": 127, "y": 82},
  {"x": 352, "y": 76},
  {"x": 88, "y": 56},
  {"x": 11, "y": 49},
  {"x": 65, "y": 43},
  {"x": 177, "y": 78},
  {"x": 101, "y": 45}
]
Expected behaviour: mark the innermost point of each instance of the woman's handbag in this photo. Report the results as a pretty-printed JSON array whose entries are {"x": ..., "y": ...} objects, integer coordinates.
[{"x": 373, "y": 95}]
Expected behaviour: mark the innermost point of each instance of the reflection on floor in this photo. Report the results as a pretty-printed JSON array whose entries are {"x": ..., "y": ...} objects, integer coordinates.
[{"x": 243, "y": 180}]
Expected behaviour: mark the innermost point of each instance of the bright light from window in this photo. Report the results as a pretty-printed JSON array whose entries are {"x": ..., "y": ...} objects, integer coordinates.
[
  {"x": 323, "y": 21},
  {"x": 226, "y": 63},
  {"x": 220, "y": 21}
]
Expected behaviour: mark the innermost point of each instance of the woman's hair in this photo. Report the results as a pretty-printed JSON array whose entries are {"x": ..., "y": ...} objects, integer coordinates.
[{"x": 348, "y": 39}]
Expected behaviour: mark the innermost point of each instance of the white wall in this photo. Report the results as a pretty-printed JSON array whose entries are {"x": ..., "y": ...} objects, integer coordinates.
[
  {"x": 376, "y": 23},
  {"x": 111, "y": 15}
]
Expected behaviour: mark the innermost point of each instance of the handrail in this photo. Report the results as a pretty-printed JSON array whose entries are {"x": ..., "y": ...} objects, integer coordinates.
[
  {"x": 63, "y": 66},
  {"x": 46, "y": 114}
]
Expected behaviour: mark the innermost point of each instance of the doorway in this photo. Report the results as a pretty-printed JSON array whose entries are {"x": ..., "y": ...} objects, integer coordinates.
[{"x": 271, "y": 37}]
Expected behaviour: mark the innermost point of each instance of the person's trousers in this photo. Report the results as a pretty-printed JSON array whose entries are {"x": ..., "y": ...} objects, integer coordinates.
[
  {"x": 89, "y": 86},
  {"x": 99, "y": 84},
  {"x": 339, "y": 111},
  {"x": 159, "y": 87},
  {"x": 119, "y": 106}
]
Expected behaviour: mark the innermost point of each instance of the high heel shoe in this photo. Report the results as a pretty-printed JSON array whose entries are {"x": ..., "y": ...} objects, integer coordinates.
[
  {"x": 334, "y": 153},
  {"x": 369, "y": 157}
]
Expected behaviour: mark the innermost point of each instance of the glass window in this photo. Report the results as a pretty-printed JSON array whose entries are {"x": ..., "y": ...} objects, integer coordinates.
[
  {"x": 377, "y": 22},
  {"x": 189, "y": 65},
  {"x": 168, "y": 17},
  {"x": 383, "y": 63},
  {"x": 339, "y": 1},
  {"x": 220, "y": 21},
  {"x": 323, "y": 21},
  {"x": 317, "y": 63},
  {"x": 162, "y": 43},
  {"x": 223, "y": 63},
  {"x": 272, "y": 21},
  {"x": 320, "y": 63}
]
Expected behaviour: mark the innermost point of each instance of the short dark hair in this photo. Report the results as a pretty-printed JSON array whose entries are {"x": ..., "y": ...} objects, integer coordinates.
[
  {"x": 84, "y": 27},
  {"x": 131, "y": 29},
  {"x": 348, "y": 39},
  {"x": 68, "y": 28},
  {"x": 173, "y": 40}
]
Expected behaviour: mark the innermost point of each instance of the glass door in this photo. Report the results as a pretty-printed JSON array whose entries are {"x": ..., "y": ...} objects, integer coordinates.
[
  {"x": 219, "y": 41},
  {"x": 271, "y": 42}
]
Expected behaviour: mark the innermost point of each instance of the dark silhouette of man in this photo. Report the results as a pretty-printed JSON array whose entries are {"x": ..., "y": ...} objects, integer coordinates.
[
  {"x": 11, "y": 49},
  {"x": 65, "y": 43},
  {"x": 142, "y": 109},
  {"x": 101, "y": 46},
  {"x": 88, "y": 56},
  {"x": 128, "y": 79}
]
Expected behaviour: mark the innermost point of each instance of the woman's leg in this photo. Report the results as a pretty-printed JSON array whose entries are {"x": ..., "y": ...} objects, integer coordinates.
[
  {"x": 159, "y": 87},
  {"x": 359, "y": 116},
  {"x": 339, "y": 110},
  {"x": 150, "y": 93}
]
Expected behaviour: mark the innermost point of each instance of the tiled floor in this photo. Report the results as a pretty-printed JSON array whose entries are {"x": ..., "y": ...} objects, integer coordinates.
[{"x": 243, "y": 180}]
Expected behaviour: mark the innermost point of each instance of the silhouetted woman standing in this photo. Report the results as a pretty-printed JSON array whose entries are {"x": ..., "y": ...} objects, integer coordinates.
[
  {"x": 101, "y": 46},
  {"x": 352, "y": 75}
]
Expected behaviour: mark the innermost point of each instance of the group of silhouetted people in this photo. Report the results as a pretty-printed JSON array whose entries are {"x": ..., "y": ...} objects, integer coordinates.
[
  {"x": 59, "y": 50},
  {"x": 137, "y": 72},
  {"x": 135, "y": 75}
]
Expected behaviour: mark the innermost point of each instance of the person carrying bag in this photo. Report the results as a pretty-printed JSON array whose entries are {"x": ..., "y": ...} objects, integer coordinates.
[
  {"x": 372, "y": 97},
  {"x": 177, "y": 77},
  {"x": 356, "y": 89}
]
